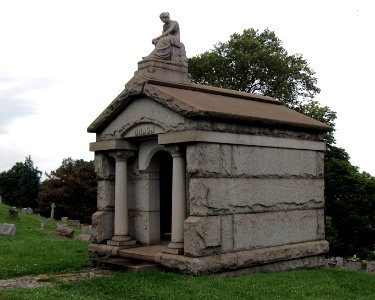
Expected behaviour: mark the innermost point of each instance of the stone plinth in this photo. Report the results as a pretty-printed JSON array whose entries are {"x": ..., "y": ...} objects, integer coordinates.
[{"x": 164, "y": 71}]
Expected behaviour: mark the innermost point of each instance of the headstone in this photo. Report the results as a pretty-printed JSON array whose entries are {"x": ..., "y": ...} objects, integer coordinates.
[
  {"x": 7, "y": 229},
  {"x": 1, "y": 200},
  {"x": 64, "y": 220},
  {"x": 24, "y": 210},
  {"x": 339, "y": 262},
  {"x": 52, "y": 211},
  {"x": 86, "y": 229},
  {"x": 74, "y": 223},
  {"x": 42, "y": 226},
  {"x": 29, "y": 211},
  {"x": 62, "y": 231},
  {"x": 370, "y": 266},
  {"x": 13, "y": 213},
  {"x": 352, "y": 265}
]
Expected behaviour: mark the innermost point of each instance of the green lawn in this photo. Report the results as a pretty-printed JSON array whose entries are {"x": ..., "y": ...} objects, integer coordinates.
[{"x": 31, "y": 252}]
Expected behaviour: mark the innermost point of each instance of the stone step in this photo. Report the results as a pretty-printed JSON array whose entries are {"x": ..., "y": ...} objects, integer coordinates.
[
  {"x": 143, "y": 253},
  {"x": 124, "y": 264}
]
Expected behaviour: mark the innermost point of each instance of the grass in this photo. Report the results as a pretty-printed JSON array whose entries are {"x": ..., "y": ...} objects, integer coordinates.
[{"x": 31, "y": 252}]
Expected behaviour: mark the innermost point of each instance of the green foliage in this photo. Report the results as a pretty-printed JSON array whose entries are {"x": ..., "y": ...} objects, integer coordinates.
[
  {"x": 350, "y": 206},
  {"x": 72, "y": 187},
  {"x": 31, "y": 251},
  {"x": 256, "y": 62},
  {"x": 323, "y": 114},
  {"x": 302, "y": 284},
  {"x": 19, "y": 186}
]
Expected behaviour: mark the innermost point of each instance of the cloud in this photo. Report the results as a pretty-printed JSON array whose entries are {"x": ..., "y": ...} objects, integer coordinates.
[{"x": 15, "y": 99}]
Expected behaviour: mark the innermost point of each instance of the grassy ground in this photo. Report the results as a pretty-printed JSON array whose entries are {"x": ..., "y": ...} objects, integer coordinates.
[{"x": 31, "y": 252}]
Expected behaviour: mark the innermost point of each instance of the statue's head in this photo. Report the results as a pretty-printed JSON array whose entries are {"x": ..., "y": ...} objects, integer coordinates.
[{"x": 164, "y": 16}]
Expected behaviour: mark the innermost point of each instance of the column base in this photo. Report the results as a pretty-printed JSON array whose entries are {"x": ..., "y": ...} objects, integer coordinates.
[
  {"x": 175, "y": 248},
  {"x": 123, "y": 241}
]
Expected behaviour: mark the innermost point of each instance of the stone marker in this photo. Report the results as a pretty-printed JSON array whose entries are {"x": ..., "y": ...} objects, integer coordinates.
[
  {"x": 74, "y": 223},
  {"x": 29, "y": 211},
  {"x": 1, "y": 200},
  {"x": 339, "y": 262},
  {"x": 13, "y": 213},
  {"x": 370, "y": 267},
  {"x": 7, "y": 229},
  {"x": 86, "y": 229},
  {"x": 64, "y": 220},
  {"x": 62, "y": 231},
  {"x": 52, "y": 211}
]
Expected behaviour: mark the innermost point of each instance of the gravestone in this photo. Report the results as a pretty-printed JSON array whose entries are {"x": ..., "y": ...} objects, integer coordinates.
[
  {"x": 7, "y": 229},
  {"x": 62, "y": 231},
  {"x": 74, "y": 223},
  {"x": 29, "y": 211},
  {"x": 13, "y": 213},
  {"x": 52, "y": 211},
  {"x": 64, "y": 220},
  {"x": 86, "y": 229},
  {"x": 1, "y": 200}
]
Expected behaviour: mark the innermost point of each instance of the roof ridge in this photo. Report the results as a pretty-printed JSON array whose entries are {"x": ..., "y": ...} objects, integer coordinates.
[{"x": 216, "y": 91}]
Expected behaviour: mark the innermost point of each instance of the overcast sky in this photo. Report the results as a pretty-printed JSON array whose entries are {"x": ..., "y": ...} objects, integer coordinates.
[{"x": 63, "y": 61}]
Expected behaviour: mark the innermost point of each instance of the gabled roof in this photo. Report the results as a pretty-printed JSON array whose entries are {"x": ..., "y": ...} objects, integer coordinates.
[{"x": 199, "y": 101}]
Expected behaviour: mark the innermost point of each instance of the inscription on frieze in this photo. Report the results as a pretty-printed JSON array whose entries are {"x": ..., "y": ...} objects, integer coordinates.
[{"x": 143, "y": 130}]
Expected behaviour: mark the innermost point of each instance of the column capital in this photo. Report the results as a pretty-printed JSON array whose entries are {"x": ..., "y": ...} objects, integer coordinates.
[
  {"x": 121, "y": 155},
  {"x": 175, "y": 150}
]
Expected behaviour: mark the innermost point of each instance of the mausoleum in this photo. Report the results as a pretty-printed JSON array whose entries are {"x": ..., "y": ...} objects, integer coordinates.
[{"x": 206, "y": 179}]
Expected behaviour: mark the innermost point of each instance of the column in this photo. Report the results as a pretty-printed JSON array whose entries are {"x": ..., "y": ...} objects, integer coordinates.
[
  {"x": 121, "y": 219},
  {"x": 178, "y": 201}
]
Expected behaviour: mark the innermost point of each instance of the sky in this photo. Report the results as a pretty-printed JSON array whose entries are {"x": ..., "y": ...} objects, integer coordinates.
[{"x": 63, "y": 61}]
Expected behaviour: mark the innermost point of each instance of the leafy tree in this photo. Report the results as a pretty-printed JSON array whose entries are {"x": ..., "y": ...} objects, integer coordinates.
[
  {"x": 19, "y": 186},
  {"x": 256, "y": 62},
  {"x": 350, "y": 206},
  {"x": 72, "y": 187}
]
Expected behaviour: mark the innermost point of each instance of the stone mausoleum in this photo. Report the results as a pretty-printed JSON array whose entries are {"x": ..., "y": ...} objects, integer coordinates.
[{"x": 201, "y": 179}]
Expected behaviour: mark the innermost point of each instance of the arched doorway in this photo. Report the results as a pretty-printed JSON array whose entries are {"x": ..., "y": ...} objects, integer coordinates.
[{"x": 165, "y": 184}]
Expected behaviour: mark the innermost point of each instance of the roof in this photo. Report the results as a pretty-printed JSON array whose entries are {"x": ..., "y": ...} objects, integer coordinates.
[{"x": 199, "y": 101}]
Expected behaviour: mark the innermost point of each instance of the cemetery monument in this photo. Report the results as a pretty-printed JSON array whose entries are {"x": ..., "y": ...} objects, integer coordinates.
[{"x": 202, "y": 179}]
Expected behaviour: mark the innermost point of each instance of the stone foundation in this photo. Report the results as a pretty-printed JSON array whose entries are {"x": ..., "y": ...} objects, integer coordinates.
[{"x": 309, "y": 254}]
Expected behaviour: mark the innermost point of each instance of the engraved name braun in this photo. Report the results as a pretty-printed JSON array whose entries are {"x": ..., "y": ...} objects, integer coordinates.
[{"x": 147, "y": 130}]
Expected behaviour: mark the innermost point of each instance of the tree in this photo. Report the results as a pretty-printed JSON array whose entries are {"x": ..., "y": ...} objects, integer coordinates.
[
  {"x": 257, "y": 63},
  {"x": 72, "y": 187},
  {"x": 19, "y": 186},
  {"x": 350, "y": 206}
]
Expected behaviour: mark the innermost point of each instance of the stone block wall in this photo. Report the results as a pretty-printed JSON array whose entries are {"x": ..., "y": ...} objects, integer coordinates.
[
  {"x": 102, "y": 220},
  {"x": 245, "y": 197}
]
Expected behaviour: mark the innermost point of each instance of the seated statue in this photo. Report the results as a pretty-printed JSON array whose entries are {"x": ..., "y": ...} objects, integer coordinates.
[{"x": 168, "y": 46}]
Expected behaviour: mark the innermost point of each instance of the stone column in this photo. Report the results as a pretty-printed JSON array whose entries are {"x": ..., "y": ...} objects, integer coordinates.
[
  {"x": 178, "y": 201},
  {"x": 121, "y": 219}
]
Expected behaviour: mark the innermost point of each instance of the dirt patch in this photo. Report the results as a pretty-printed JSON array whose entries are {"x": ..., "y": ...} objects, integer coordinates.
[{"x": 34, "y": 281}]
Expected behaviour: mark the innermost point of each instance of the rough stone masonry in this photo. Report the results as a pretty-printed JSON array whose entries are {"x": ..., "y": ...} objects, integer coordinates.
[{"x": 234, "y": 179}]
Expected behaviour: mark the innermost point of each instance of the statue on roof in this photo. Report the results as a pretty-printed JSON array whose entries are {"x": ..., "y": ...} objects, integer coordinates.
[{"x": 168, "y": 46}]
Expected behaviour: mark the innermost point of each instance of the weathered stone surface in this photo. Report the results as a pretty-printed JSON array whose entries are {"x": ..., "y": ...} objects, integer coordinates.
[
  {"x": 144, "y": 226},
  {"x": 143, "y": 194},
  {"x": 84, "y": 237},
  {"x": 307, "y": 251},
  {"x": 62, "y": 231},
  {"x": 134, "y": 114},
  {"x": 214, "y": 196},
  {"x": 218, "y": 160},
  {"x": 102, "y": 226},
  {"x": 106, "y": 194},
  {"x": 271, "y": 229},
  {"x": 104, "y": 166},
  {"x": 355, "y": 265},
  {"x": 98, "y": 250},
  {"x": 370, "y": 267},
  {"x": 202, "y": 236},
  {"x": 7, "y": 229},
  {"x": 227, "y": 233}
]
